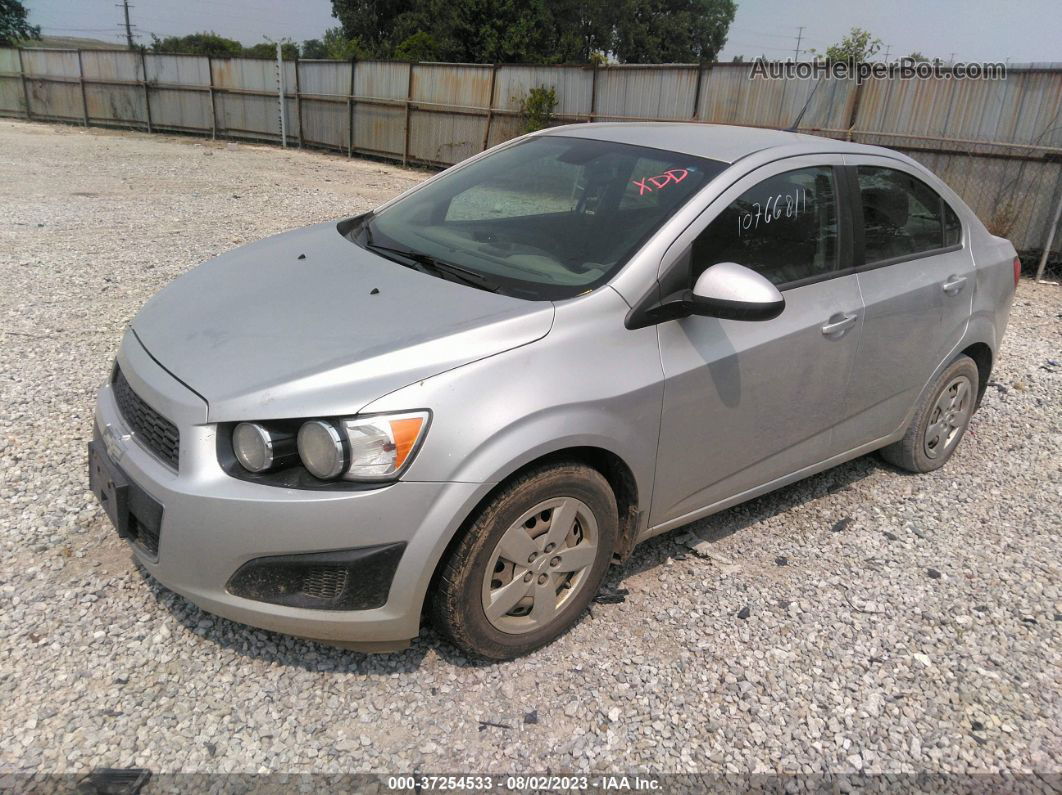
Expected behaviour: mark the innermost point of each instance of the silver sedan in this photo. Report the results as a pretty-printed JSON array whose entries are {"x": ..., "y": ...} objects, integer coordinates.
[{"x": 468, "y": 403}]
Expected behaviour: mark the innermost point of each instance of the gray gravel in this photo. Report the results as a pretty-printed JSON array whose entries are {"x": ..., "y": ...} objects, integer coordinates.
[{"x": 922, "y": 634}]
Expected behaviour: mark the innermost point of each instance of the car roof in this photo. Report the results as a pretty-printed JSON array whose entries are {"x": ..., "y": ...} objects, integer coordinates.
[{"x": 723, "y": 142}]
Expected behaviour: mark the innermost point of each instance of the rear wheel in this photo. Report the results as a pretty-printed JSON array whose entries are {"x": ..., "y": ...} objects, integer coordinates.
[
  {"x": 529, "y": 564},
  {"x": 940, "y": 421}
]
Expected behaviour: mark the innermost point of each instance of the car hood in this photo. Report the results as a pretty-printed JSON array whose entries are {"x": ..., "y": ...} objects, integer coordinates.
[{"x": 308, "y": 323}]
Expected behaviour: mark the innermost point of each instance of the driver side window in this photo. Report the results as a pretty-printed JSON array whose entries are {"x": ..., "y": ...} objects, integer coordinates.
[{"x": 785, "y": 228}]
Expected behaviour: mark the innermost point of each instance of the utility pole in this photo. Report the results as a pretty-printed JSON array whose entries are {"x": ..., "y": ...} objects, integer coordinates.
[
  {"x": 888, "y": 47},
  {"x": 128, "y": 27},
  {"x": 800, "y": 35}
]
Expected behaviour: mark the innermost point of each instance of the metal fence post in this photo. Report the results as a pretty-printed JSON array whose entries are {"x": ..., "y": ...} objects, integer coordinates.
[
  {"x": 81, "y": 80},
  {"x": 1050, "y": 239},
  {"x": 25, "y": 86},
  {"x": 280, "y": 98},
  {"x": 298, "y": 102},
  {"x": 350, "y": 108},
  {"x": 490, "y": 104},
  {"x": 697, "y": 91},
  {"x": 593, "y": 94},
  {"x": 853, "y": 114},
  {"x": 147, "y": 93},
  {"x": 213, "y": 103},
  {"x": 409, "y": 96}
]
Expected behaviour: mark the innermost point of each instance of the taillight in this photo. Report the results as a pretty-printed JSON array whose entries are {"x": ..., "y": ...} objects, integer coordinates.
[{"x": 1017, "y": 271}]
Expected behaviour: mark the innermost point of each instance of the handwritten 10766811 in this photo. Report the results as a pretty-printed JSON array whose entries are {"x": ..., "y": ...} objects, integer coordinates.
[{"x": 788, "y": 205}]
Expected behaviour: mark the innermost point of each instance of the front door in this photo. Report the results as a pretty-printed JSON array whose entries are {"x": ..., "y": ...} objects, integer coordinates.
[
  {"x": 917, "y": 285},
  {"x": 746, "y": 403}
]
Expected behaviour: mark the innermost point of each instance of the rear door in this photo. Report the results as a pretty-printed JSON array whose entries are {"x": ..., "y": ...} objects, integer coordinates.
[
  {"x": 747, "y": 402},
  {"x": 916, "y": 281}
]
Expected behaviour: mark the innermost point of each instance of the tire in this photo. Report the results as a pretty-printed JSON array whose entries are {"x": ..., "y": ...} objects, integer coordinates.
[
  {"x": 940, "y": 421},
  {"x": 546, "y": 590}
]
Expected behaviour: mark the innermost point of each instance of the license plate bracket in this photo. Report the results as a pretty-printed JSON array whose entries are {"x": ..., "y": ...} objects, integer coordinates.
[{"x": 111, "y": 487}]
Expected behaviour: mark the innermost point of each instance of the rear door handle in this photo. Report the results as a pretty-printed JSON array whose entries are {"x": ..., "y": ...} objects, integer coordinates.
[
  {"x": 839, "y": 323},
  {"x": 954, "y": 285}
]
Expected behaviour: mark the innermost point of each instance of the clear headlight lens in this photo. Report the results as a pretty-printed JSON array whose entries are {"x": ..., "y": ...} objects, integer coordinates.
[
  {"x": 253, "y": 446},
  {"x": 321, "y": 449},
  {"x": 380, "y": 446}
]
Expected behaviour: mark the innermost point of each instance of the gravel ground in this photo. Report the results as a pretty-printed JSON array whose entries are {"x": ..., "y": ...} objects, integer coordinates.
[{"x": 862, "y": 619}]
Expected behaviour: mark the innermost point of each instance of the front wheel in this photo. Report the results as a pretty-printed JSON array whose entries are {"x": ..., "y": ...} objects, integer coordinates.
[
  {"x": 529, "y": 564},
  {"x": 940, "y": 421}
]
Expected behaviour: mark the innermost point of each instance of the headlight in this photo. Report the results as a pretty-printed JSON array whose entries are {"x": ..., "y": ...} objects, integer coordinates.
[
  {"x": 321, "y": 449},
  {"x": 372, "y": 448},
  {"x": 382, "y": 445},
  {"x": 258, "y": 448}
]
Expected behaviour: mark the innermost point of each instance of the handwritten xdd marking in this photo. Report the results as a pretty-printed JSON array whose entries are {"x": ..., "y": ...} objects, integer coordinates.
[
  {"x": 671, "y": 177},
  {"x": 788, "y": 205}
]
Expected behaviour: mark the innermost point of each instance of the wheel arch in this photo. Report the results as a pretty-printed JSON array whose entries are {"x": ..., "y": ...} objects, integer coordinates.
[
  {"x": 983, "y": 357},
  {"x": 612, "y": 467}
]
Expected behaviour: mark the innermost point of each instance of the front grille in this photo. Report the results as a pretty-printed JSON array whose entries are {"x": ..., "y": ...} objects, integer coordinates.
[
  {"x": 324, "y": 583},
  {"x": 150, "y": 428}
]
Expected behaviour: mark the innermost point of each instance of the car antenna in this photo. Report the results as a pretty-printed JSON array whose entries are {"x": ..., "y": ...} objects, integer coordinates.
[{"x": 796, "y": 124}]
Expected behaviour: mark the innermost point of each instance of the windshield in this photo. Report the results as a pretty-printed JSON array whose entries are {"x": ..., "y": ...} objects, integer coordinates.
[{"x": 548, "y": 218}]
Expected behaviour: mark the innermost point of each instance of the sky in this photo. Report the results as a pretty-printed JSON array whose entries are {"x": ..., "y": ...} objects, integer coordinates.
[{"x": 1021, "y": 31}]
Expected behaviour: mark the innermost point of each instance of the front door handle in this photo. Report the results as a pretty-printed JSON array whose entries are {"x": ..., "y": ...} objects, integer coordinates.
[
  {"x": 954, "y": 284},
  {"x": 838, "y": 324}
]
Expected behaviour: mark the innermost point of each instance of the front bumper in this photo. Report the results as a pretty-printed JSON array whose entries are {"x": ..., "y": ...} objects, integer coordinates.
[{"x": 212, "y": 524}]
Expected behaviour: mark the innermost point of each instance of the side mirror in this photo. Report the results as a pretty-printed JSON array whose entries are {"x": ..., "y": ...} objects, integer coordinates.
[
  {"x": 725, "y": 290},
  {"x": 733, "y": 292}
]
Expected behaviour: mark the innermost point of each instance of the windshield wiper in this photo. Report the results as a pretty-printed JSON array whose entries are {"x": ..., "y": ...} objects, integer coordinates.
[{"x": 429, "y": 264}]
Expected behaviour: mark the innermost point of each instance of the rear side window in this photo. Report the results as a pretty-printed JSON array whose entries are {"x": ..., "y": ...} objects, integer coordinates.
[
  {"x": 902, "y": 215},
  {"x": 785, "y": 228}
]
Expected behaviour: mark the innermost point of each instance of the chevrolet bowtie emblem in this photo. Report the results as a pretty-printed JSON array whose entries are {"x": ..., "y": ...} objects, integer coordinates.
[{"x": 115, "y": 442}]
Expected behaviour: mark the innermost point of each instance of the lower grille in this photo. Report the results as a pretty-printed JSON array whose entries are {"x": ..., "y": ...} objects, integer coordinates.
[
  {"x": 322, "y": 583},
  {"x": 345, "y": 579},
  {"x": 145, "y": 536},
  {"x": 150, "y": 428}
]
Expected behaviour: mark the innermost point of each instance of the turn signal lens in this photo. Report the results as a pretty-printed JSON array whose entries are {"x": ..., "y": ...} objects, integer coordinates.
[
  {"x": 381, "y": 446},
  {"x": 1017, "y": 271}
]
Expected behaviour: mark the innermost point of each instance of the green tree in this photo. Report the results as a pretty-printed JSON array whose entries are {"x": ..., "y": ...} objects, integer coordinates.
[
  {"x": 333, "y": 45},
  {"x": 198, "y": 44},
  {"x": 289, "y": 50},
  {"x": 858, "y": 46},
  {"x": 670, "y": 31},
  {"x": 917, "y": 57},
  {"x": 313, "y": 49},
  {"x": 420, "y": 46},
  {"x": 13, "y": 24},
  {"x": 480, "y": 31},
  {"x": 375, "y": 24}
]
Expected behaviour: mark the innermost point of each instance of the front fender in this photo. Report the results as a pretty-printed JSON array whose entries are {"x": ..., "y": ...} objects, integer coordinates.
[{"x": 589, "y": 383}]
